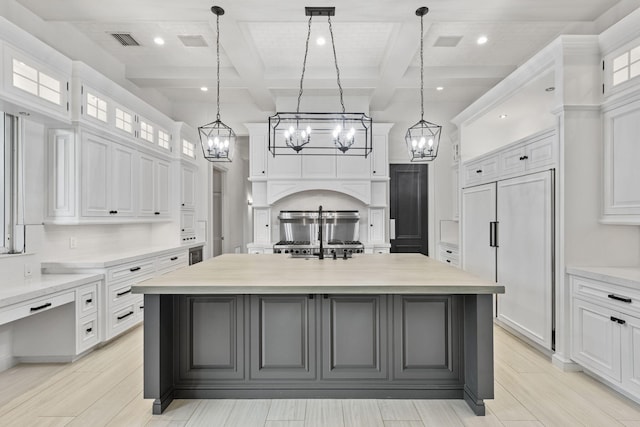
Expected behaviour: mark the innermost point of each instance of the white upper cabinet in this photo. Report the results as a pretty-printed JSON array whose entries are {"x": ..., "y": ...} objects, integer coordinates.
[
  {"x": 621, "y": 160},
  {"x": 29, "y": 82},
  {"x": 531, "y": 154},
  {"x": 153, "y": 195},
  {"x": 108, "y": 179},
  {"x": 188, "y": 183},
  {"x": 380, "y": 154}
]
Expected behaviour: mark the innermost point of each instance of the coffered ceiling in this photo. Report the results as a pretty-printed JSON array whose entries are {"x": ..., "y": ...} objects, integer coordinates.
[{"x": 377, "y": 43}]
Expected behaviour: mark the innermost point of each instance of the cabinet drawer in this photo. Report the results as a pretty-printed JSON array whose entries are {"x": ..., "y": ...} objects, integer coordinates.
[
  {"x": 540, "y": 153},
  {"x": 119, "y": 294},
  {"x": 34, "y": 306},
  {"x": 171, "y": 262},
  {"x": 450, "y": 261},
  {"x": 513, "y": 160},
  {"x": 122, "y": 317},
  {"x": 87, "y": 299},
  {"x": 481, "y": 171},
  {"x": 87, "y": 333},
  {"x": 130, "y": 271},
  {"x": 617, "y": 297}
]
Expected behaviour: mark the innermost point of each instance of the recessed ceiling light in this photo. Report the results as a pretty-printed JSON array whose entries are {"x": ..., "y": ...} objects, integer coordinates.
[
  {"x": 502, "y": 116},
  {"x": 204, "y": 88},
  {"x": 482, "y": 40},
  {"x": 550, "y": 89},
  {"x": 320, "y": 41},
  {"x": 439, "y": 88},
  {"x": 159, "y": 41}
]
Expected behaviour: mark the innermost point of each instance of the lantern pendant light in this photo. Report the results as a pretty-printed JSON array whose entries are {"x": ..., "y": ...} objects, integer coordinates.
[
  {"x": 324, "y": 133},
  {"x": 217, "y": 139},
  {"x": 423, "y": 138}
]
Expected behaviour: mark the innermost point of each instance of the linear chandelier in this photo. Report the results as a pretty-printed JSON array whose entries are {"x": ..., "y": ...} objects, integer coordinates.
[
  {"x": 423, "y": 138},
  {"x": 217, "y": 139},
  {"x": 323, "y": 133}
]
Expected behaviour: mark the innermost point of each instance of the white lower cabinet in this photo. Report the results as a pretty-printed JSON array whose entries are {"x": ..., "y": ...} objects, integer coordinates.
[
  {"x": 605, "y": 332},
  {"x": 449, "y": 254}
]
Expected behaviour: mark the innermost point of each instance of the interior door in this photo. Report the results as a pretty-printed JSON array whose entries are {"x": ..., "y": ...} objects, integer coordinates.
[
  {"x": 409, "y": 208},
  {"x": 525, "y": 254},
  {"x": 478, "y": 212}
]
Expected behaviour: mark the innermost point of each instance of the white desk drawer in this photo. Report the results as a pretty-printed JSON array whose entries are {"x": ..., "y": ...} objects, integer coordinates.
[
  {"x": 87, "y": 299},
  {"x": 87, "y": 333},
  {"x": 35, "y": 306}
]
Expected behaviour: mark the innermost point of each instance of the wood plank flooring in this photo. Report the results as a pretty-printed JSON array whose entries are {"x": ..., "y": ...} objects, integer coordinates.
[{"x": 105, "y": 389}]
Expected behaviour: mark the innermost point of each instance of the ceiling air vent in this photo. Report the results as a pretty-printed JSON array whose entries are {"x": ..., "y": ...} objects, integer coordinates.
[
  {"x": 193, "y": 41},
  {"x": 447, "y": 41},
  {"x": 125, "y": 39}
]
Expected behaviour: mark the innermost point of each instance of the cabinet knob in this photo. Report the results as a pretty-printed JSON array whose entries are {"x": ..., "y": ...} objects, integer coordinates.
[
  {"x": 524, "y": 157},
  {"x": 183, "y": 204},
  {"x": 266, "y": 225},
  {"x": 371, "y": 225},
  {"x": 374, "y": 171},
  {"x": 479, "y": 171}
]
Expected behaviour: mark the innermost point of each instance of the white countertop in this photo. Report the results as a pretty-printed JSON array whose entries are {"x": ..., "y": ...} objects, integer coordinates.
[
  {"x": 109, "y": 259},
  {"x": 47, "y": 285},
  {"x": 623, "y": 276},
  {"x": 273, "y": 274}
]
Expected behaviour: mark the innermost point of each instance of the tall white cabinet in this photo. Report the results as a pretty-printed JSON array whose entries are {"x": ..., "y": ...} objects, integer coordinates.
[{"x": 508, "y": 232}]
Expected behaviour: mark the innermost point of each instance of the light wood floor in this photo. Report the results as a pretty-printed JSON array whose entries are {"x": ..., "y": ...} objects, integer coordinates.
[{"x": 105, "y": 389}]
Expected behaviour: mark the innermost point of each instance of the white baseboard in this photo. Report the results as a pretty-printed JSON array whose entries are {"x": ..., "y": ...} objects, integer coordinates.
[
  {"x": 566, "y": 365},
  {"x": 44, "y": 359},
  {"x": 7, "y": 362}
]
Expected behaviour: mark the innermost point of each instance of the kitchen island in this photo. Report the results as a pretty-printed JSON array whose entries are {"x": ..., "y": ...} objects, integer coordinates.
[{"x": 271, "y": 326}]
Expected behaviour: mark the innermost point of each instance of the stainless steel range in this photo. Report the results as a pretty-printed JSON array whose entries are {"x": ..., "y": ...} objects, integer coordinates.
[{"x": 319, "y": 233}]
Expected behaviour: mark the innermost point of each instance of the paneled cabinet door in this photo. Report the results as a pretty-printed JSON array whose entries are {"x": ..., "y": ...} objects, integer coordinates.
[
  {"x": 621, "y": 158},
  {"x": 162, "y": 188},
  {"x": 123, "y": 179},
  {"x": 376, "y": 225},
  {"x": 380, "y": 157},
  {"x": 261, "y": 229},
  {"x": 427, "y": 337},
  {"x": 146, "y": 175},
  {"x": 188, "y": 185},
  {"x": 354, "y": 337},
  {"x": 258, "y": 152},
  {"x": 95, "y": 155},
  {"x": 283, "y": 333},
  {"x": 596, "y": 338},
  {"x": 211, "y": 338},
  {"x": 631, "y": 355}
]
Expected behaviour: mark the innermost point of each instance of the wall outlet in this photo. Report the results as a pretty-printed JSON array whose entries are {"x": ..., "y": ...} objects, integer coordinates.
[
  {"x": 73, "y": 243},
  {"x": 27, "y": 269}
]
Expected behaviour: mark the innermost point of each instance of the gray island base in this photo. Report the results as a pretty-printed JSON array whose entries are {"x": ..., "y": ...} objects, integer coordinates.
[{"x": 375, "y": 326}]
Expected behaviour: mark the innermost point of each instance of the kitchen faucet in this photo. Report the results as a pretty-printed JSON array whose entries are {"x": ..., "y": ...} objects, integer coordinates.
[{"x": 321, "y": 254}]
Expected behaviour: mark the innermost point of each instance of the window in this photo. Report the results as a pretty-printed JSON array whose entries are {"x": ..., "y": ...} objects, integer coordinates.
[
  {"x": 188, "y": 148},
  {"x": 96, "y": 107},
  {"x": 163, "y": 139},
  {"x": 36, "y": 82},
  {"x": 8, "y": 138},
  {"x": 626, "y": 66},
  {"x": 123, "y": 120},
  {"x": 146, "y": 131}
]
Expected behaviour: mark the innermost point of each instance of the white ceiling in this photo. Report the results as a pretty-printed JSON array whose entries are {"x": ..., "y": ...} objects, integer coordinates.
[{"x": 377, "y": 43}]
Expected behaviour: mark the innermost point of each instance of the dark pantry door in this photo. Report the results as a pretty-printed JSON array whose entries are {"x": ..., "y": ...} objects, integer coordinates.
[{"x": 409, "y": 208}]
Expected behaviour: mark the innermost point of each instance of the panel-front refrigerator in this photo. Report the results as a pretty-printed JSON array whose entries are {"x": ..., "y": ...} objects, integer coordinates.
[{"x": 508, "y": 236}]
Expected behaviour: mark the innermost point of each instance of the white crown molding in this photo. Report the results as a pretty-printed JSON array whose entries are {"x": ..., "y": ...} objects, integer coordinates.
[{"x": 623, "y": 32}]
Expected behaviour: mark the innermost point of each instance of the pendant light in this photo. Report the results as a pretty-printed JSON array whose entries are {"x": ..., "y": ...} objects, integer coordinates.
[
  {"x": 423, "y": 138},
  {"x": 323, "y": 133},
  {"x": 217, "y": 139}
]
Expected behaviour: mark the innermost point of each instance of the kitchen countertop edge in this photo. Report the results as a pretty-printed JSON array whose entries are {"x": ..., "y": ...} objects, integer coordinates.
[
  {"x": 623, "y": 276},
  {"x": 47, "y": 285}
]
